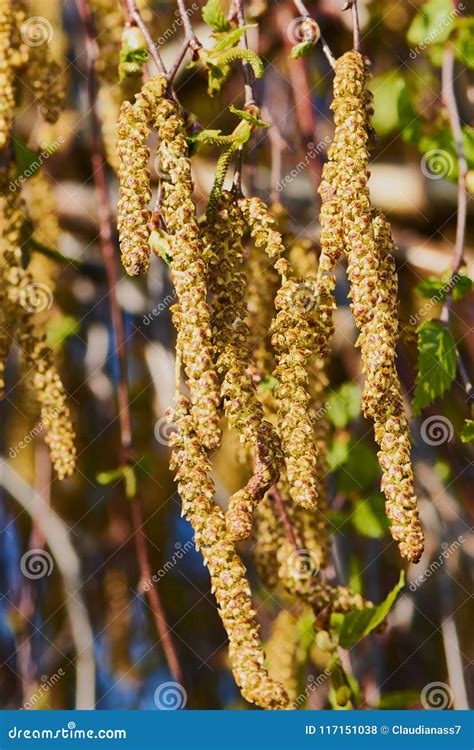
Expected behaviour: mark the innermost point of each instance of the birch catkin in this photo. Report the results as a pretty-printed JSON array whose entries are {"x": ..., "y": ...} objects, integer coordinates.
[
  {"x": 227, "y": 571},
  {"x": 230, "y": 332},
  {"x": 367, "y": 243}
]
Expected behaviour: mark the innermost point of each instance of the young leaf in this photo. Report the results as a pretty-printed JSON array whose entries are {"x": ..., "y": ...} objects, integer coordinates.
[
  {"x": 437, "y": 289},
  {"x": 432, "y": 24},
  {"x": 214, "y": 16},
  {"x": 369, "y": 517},
  {"x": 301, "y": 49},
  {"x": 356, "y": 625},
  {"x": 437, "y": 361},
  {"x": 467, "y": 434},
  {"x": 344, "y": 405},
  {"x": 248, "y": 117}
]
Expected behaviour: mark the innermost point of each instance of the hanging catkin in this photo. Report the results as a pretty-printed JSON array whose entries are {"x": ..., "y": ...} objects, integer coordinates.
[
  {"x": 7, "y": 74},
  {"x": 227, "y": 571},
  {"x": 367, "y": 243},
  {"x": 37, "y": 358},
  {"x": 230, "y": 334}
]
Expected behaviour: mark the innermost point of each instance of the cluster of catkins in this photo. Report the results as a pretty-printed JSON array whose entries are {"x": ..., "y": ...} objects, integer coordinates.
[
  {"x": 350, "y": 226},
  {"x": 253, "y": 347},
  {"x": 23, "y": 51}
]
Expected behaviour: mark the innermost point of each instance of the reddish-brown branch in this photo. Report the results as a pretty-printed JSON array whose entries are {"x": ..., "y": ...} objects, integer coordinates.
[
  {"x": 301, "y": 92},
  {"x": 106, "y": 225}
]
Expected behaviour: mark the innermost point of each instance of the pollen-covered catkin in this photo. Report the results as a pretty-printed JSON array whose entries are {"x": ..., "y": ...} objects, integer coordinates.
[
  {"x": 133, "y": 213},
  {"x": 282, "y": 648},
  {"x": 18, "y": 287},
  {"x": 301, "y": 329},
  {"x": 227, "y": 571},
  {"x": 373, "y": 292},
  {"x": 302, "y": 326},
  {"x": 55, "y": 417},
  {"x": 230, "y": 334},
  {"x": 188, "y": 269},
  {"x": 7, "y": 75}
]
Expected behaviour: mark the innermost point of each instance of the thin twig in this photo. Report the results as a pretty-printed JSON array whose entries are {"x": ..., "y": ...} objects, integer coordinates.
[
  {"x": 449, "y": 99},
  {"x": 304, "y": 13},
  {"x": 177, "y": 63},
  {"x": 283, "y": 513},
  {"x": 57, "y": 536},
  {"x": 135, "y": 15},
  {"x": 191, "y": 37},
  {"x": 106, "y": 227}
]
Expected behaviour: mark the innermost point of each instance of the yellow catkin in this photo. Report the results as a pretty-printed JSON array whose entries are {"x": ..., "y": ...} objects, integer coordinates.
[
  {"x": 227, "y": 571},
  {"x": 188, "y": 268},
  {"x": 281, "y": 649},
  {"x": 35, "y": 354},
  {"x": 374, "y": 299},
  {"x": 230, "y": 334},
  {"x": 298, "y": 568},
  {"x": 133, "y": 213},
  {"x": 302, "y": 328},
  {"x": 7, "y": 75}
]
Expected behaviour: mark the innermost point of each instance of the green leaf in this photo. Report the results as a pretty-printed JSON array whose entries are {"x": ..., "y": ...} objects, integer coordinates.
[
  {"x": 409, "y": 122},
  {"x": 230, "y": 40},
  {"x": 398, "y": 700},
  {"x": 463, "y": 40},
  {"x": 437, "y": 289},
  {"x": 108, "y": 477},
  {"x": 344, "y": 405},
  {"x": 338, "y": 451},
  {"x": 301, "y": 49},
  {"x": 386, "y": 89},
  {"x": 369, "y": 517},
  {"x": 437, "y": 362},
  {"x": 356, "y": 625},
  {"x": 467, "y": 434},
  {"x": 360, "y": 471},
  {"x": 214, "y": 16},
  {"x": 432, "y": 24},
  {"x": 248, "y": 117}
]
